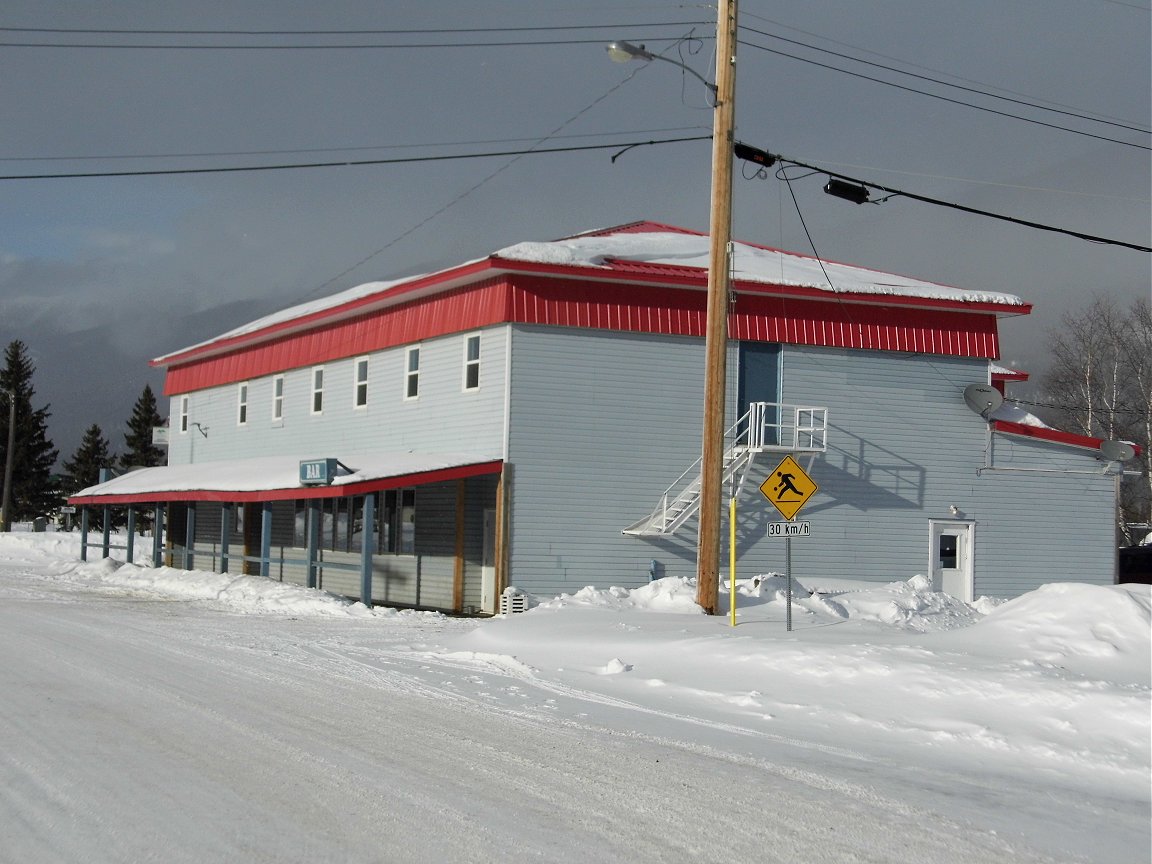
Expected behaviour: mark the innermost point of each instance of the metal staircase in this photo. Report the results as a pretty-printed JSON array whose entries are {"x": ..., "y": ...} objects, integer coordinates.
[{"x": 765, "y": 427}]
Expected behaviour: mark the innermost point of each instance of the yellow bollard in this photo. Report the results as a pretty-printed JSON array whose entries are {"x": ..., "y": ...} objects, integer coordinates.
[{"x": 732, "y": 559}]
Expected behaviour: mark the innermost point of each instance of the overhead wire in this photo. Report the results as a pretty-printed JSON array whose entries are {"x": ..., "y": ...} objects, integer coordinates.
[
  {"x": 893, "y": 192},
  {"x": 944, "y": 98},
  {"x": 908, "y": 63},
  {"x": 944, "y": 83},
  {"x": 347, "y": 149},
  {"x": 343, "y": 163}
]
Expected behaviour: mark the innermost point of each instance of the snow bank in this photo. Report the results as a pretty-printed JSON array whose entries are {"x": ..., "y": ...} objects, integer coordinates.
[
  {"x": 671, "y": 594},
  {"x": 1086, "y": 628},
  {"x": 246, "y": 595}
]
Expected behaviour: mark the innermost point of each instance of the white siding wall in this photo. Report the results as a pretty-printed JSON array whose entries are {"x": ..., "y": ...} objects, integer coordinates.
[
  {"x": 903, "y": 448},
  {"x": 601, "y": 424},
  {"x": 443, "y": 418}
]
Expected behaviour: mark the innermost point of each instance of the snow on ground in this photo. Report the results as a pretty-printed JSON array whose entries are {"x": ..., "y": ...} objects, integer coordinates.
[{"x": 993, "y": 731}]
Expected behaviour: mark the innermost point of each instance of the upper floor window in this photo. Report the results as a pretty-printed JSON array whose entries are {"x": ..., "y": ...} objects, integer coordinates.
[
  {"x": 318, "y": 390},
  {"x": 472, "y": 362},
  {"x": 278, "y": 398},
  {"x": 361, "y": 398},
  {"x": 412, "y": 374},
  {"x": 183, "y": 414},
  {"x": 242, "y": 403}
]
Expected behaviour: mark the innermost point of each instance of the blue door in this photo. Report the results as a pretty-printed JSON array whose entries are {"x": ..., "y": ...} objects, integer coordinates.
[{"x": 759, "y": 379}]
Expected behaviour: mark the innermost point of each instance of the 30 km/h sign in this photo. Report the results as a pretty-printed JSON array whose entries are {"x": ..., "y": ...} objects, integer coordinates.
[{"x": 788, "y": 487}]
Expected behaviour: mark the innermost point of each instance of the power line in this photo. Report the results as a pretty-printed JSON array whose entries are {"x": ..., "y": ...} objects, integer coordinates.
[
  {"x": 944, "y": 98},
  {"x": 348, "y": 163},
  {"x": 354, "y": 32},
  {"x": 944, "y": 83},
  {"x": 905, "y": 62},
  {"x": 350, "y": 149},
  {"x": 345, "y": 46},
  {"x": 766, "y": 159}
]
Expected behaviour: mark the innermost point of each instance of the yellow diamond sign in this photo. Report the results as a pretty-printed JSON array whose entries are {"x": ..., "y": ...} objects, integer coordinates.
[{"x": 788, "y": 487}]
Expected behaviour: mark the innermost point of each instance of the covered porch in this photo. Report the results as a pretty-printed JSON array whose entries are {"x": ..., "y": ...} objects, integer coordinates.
[{"x": 410, "y": 530}]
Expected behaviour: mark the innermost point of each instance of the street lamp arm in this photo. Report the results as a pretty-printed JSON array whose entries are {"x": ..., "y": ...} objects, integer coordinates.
[{"x": 622, "y": 52}]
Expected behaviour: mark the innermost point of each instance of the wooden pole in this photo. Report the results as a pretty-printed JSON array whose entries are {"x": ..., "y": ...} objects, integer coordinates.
[
  {"x": 716, "y": 323},
  {"x": 9, "y": 461}
]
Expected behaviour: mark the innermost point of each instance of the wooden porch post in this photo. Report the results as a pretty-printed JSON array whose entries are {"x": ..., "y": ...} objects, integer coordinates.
[{"x": 458, "y": 564}]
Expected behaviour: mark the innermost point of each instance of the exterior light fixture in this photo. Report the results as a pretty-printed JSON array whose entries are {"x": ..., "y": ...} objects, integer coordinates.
[
  {"x": 623, "y": 52},
  {"x": 856, "y": 193}
]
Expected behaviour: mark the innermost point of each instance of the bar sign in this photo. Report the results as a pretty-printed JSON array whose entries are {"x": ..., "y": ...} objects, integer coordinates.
[{"x": 317, "y": 472}]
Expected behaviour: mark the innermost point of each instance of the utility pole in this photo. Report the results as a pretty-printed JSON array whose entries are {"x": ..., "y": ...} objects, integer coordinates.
[
  {"x": 6, "y": 501},
  {"x": 716, "y": 321}
]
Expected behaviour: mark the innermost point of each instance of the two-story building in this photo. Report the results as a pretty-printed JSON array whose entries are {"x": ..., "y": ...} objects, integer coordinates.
[{"x": 522, "y": 419}]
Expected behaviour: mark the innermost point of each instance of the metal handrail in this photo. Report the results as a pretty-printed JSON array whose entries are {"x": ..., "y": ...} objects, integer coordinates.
[{"x": 762, "y": 427}]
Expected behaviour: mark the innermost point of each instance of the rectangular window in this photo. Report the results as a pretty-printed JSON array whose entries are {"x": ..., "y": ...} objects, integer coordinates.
[
  {"x": 242, "y": 404},
  {"x": 472, "y": 362},
  {"x": 397, "y": 523},
  {"x": 361, "y": 398},
  {"x": 278, "y": 398},
  {"x": 183, "y": 414},
  {"x": 412, "y": 375},
  {"x": 318, "y": 390}
]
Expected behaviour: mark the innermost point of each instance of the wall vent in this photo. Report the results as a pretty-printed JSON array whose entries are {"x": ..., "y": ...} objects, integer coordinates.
[{"x": 513, "y": 602}]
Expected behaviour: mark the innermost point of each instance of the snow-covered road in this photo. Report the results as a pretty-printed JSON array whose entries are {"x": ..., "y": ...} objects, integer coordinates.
[{"x": 136, "y": 728}]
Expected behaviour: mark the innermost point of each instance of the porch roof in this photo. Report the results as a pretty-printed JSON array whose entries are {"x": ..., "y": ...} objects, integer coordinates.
[{"x": 277, "y": 478}]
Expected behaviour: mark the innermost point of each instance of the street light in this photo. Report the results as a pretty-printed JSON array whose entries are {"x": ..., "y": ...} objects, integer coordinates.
[
  {"x": 623, "y": 52},
  {"x": 716, "y": 318}
]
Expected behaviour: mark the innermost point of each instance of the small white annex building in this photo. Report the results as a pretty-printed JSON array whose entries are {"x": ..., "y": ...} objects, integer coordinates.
[{"x": 523, "y": 419}]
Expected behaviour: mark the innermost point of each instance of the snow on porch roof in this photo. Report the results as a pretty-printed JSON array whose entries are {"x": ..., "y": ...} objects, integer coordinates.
[
  {"x": 276, "y": 478},
  {"x": 619, "y": 252}
]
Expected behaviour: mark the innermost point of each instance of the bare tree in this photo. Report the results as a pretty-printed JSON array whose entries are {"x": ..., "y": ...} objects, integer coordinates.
[{"x": 1100, "y": 384}]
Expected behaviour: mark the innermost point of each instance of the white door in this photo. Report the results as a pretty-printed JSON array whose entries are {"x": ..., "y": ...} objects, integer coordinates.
[
  {"x": 488, "y": 565},
  {"x": 951, "y": 551}
]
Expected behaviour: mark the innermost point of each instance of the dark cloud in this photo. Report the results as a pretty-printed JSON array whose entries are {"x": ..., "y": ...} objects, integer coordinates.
[{"x": 116, "y": 271}]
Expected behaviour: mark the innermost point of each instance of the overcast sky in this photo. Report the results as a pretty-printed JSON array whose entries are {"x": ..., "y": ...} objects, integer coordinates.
[{"x": 99, "y": 275}]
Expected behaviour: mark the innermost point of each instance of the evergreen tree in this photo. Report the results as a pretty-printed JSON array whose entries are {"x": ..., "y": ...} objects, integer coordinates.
[
  {"x": 141, "y": 452},
  {"x": 33, "y": 491},
  {"x": 83, "y": 469}
]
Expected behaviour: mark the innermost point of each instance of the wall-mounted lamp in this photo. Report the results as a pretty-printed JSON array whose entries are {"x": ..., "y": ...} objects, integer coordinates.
[{"x": 202, "y": 429}]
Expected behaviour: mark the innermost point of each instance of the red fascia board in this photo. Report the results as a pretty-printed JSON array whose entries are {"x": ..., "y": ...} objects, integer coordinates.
[
  {"x": 295, "y": 492},
  {"x": 1010, "y": 376},
  {"x": 620, "y": 271},
  {"x": 387, "y": 297},
  {"x": 1054, "y": 435},
  {"x": 680, "y": 276}
]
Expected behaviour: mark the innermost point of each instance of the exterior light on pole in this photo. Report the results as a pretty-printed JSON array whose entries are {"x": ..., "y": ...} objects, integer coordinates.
[
  {"x": 9, "y": 452},
  {"x": 716, "y": 317},
  {"x": 623, "y": 52}
]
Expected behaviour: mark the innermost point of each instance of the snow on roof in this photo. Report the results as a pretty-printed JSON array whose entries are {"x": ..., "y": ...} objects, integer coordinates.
[
  {"x": 270, "y": 473},
  {"x": 752, "y": 264},
  {"x": 654, "y": 244}
]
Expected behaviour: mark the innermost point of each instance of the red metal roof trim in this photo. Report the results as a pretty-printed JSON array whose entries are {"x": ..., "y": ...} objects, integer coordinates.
[
  {"x": 295, "y": 492},
  {"x": 462, "y": 309},
  {"x": 825, "y": 321},
  {"x": 1054, "y": 435}
]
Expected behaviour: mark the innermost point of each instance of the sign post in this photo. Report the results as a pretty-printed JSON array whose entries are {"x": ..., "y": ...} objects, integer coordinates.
[{"x": 788, "y": 488}]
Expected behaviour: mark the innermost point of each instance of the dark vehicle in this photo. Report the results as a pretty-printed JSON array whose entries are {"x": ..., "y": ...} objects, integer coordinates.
[{"x": 1136, "y": 564}]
